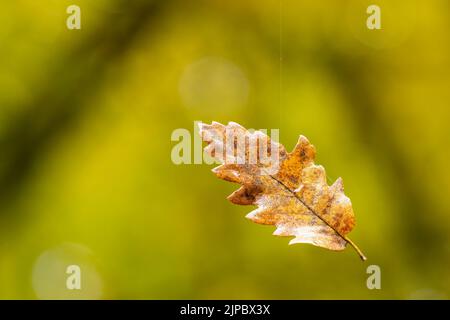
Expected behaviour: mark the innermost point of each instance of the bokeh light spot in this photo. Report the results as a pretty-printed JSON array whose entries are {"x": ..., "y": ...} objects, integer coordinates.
[
  {"x": 215, "y": 84},
  {"x": 49, "y": 277}
]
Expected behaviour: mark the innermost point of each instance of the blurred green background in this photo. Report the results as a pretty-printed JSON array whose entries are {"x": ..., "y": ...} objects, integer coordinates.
[{"x": 86, "y": 118}]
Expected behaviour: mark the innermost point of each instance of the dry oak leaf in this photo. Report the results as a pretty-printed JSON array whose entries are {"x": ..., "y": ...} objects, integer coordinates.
[{"x": 295, "y": 197}]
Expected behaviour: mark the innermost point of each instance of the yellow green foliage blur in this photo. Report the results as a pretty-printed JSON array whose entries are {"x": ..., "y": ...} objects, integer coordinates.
[{"x": 86, "y": 118}]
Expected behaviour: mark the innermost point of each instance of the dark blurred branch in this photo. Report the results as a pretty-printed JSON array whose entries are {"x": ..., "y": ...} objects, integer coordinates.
[
  {"x": 62, "y": 100},
  {"x": 376, "y": 132}
]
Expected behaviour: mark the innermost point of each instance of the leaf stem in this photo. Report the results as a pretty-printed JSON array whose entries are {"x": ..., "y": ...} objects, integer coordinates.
[{"x": 361, "y": 255}]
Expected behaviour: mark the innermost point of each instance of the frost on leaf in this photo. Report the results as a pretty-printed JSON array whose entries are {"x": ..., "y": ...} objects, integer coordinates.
[{"x": 289, "y": 189}]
